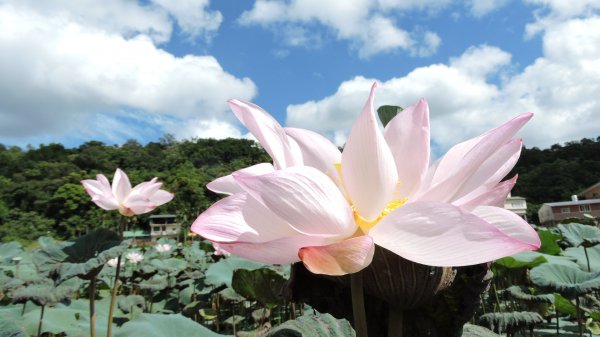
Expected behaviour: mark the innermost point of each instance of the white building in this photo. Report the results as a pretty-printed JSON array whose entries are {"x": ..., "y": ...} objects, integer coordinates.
[{"x": 517, "y": 205}]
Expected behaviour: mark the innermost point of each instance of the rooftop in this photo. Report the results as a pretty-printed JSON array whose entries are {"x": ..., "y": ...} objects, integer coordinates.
[{"x": 573, "y": 203}]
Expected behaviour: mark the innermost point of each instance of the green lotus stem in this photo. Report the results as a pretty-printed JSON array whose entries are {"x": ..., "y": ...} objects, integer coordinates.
[
  {"x": 557, "y": 324},
  {"x": 496, "y": 296},
  {"x": 358, "y": 304},
  {"x": 587, "y": 259},
  {"x": 113, "y": 292},
  {"x": 41, "y": 320},
  {"x": 395, "y": 323},
  {"x": 92, "y": 308},
  {"x": 23, "y": 310},
  {"x": 578, "y": 314}
]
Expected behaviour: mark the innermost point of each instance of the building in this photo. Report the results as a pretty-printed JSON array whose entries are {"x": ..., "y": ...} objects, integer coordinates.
[
  {"x": 552, "y": 213},
  {"x": 164, "y": 225},
  {"x": 517, "y": 205},
  {"x": 592, "y": 192}
]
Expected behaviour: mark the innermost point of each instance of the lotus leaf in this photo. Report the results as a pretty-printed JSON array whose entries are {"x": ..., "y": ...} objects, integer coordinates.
[
  {"x": 314, "y": 325},
  {"x": 221, "y": 272},
  {"x": 263, "y": 285},
  {"x": 260, "y": 314},
  {"x": 234, "y": 320},
  {"x": 549, "y": 245},
  {"x": 578, "y": 253},
  {"x": 155, "y": 283},
  {"x": 577, "y": 234},
  {"x": 387, "y": 112},
  {"x": 9, "y": 329},
  {"x": 510, "y": 321},
  {"x": 533, "y": 259},
  {"x": 8, "y": 251},
  {"x": 470, "y": 330},
  {"x": 157, "y": 325},
  {"x": 126, "y": 303},
  {"x": 169, "y": 266},
  {"x": 525, "y": 294},
  {"x": 568, "y": 281},
  {"x": 43, "y": 293}
]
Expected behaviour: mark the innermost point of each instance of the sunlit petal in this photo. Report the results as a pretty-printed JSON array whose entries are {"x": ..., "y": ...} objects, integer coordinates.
[
  {"x": 487, "y": 197},
  {"x": 368, "y": 168},
  {"x": 317, "y": 151},
  {"x": 268, "y": 132},
  {"x": 407, "y": 135},
  {"x": 121, "y": 186},
  {"x": 509, "y": 223},
  {"x": 440, "y": 234}
]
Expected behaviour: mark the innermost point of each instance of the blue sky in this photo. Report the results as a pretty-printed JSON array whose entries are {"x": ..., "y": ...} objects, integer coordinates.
[{"x": 121, "y": 69}]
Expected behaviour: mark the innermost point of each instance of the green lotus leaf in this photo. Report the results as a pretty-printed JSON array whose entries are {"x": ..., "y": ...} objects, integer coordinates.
[
  {"x": 8, "y": 328},
  {"x": 230, "y": 295},
  {"x": 43, "y": 293},
  {"x": 525, "y": 294},
  {"x": 234, "y": 320},
  {"x": 263, "y": 285},
  {"x": 195, "y": 256},
  {"x": 88, "y": 254},
  {"x": 158, "y": 325},
  {"x": 155, "y": 283},
  {"x": 578, "y": 253},
  {"x": 564, "y": 306},
  {"x": 221, "y": 272},
  {"x": 314, "y": 325},
  {"x": 510, "y": 321},
  {"x": 577, "y": 234},
  {"x": 387, "y": 112},
  {"x": 260, "y": 314},
  {"x": 126, "y": 303},
  {"x": 470, "y": 330},
  {"x": 568, "y": 281},
  {"x": 169, "y": 266},
  {"x": 533, "y": 259},
  {"x": 8, "y": 251},
  {"x": 549, "y": 239}
]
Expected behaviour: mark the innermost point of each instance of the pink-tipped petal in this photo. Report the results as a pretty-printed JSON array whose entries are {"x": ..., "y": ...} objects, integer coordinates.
[
  {"x": 317, "y": 151},
  {"x": 407, "y": 135},
  {"x": 228, "y": 185},
  {"x": 510, "y": 224},
  {"x": 444, "y": 235},
  {"x": 493, "y": 170},
  {"x": 268, "y": 132},
  {"x": 240, "y": 218},
  {"x": 121, "y": 187},
  {"x": 305, "y": 198},
  {"x": 340, "y": 258},
  {"x": 487, "y": 197},
  {"x": 368, "y": 170},
  {"x": 464, "y": 159},
  {"x": 280, "y": 251}
]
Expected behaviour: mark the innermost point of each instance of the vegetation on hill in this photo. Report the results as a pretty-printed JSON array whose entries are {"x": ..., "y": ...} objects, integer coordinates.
[{"x": 40, "y": 190}]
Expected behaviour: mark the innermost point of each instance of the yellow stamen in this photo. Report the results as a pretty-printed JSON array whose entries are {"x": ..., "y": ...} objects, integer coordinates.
[{"x": 365, "y": 224}]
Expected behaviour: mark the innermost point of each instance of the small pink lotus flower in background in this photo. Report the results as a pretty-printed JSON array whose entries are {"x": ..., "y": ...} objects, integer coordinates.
[
  {"x": 134, "y": 257},
  {"x": 329, "y": 209},
  {"x": 112, "y": 262},
  {"x": 141, "y": 199},
  {"x": 163, "y": 247}
]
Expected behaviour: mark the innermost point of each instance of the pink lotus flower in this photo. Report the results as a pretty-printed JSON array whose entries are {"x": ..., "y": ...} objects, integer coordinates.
[
  {"x": 141, "y": 199},
  {"x": 328, "y": 209}
]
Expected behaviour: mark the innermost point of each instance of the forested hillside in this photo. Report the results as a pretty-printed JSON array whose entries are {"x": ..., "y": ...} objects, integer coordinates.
[{"x": 40, "y": 190}]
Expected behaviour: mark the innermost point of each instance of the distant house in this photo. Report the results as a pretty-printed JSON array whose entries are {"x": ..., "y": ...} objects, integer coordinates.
[
  {"x": 592, "y": 192},
  {"x": 164, "y": 225},
  {"x": 517, "y": 205},
  {"x": 552, "y": 213}
]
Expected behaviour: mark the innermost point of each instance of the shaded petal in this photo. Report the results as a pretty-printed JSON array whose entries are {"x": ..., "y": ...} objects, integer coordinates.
[
  {"x": 101, "y": 192},
  {"x": 240, "y": 218},
  {"x": 280, "y": 251},
  {"x": 462, "y": 160},
  {"x": 368, "y": 169},
  {"x": 488, "y": 197},
  {"x": 317, "y": 151},
  {"x": 106, "y": 202},
  {"x": 444, "y": 235},
  {"x": 509, "y": 223},
  {"x": 340, "y": 258},
  {"x": 121, "y": 187},
  {"x": 268, "y": 132},
  {"x": 228, "y": 185},
  {"x": 305, "y": 198},
  {"x": 407, "y": 135}
]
